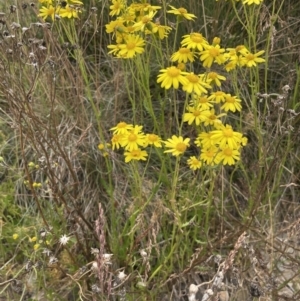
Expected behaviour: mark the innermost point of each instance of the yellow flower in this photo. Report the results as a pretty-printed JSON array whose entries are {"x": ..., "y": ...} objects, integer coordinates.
[
  {"x": 249, "y": 59},
  {"x": 249, "y": 2},
  {"x": 228, "y": 156},
  {"x": 101, "y": 146},
  {"x": 171, "y": 77},
  {"x": 194, "y": 163},
  {"x": 116, "y": 141},
  {"x": 116, "y": 7},
  {"x": 212, "y": 54},
  {"x": 217, "y": 97},
  {"x": 215, "y": 78},
  {"x": 121, "y": 128},
  {"x": 202, "y": 101},
  {"x": 225, "y": 135},
  {"x": 133, "y": 44},
  {"x": 204, "y": 140},
  {"x": 177, "y": 145},
  {"x": 161, "y": 30},
  {"x": 195, "y": 84},
  {"x": 36, "y": 246},
  {"x": 144, "y": 21},
  {"x": 196, "y": 114},
  {"x": 68, "y": 12},
  {"x": 15, "y": 236},
  {"x": 47, "y": 12},
  {"x": 183, "y": 55},
  {"x": 152, "y": 139},
  {"x": 194, "y": 40},
  {"x": 213, "y": 119},
  {"x": 209, "y": 155},
  {"x": 32, "y": 239},
  {"x": 115, "y": 25},
  {"x": 135, "y": 154},
  {"x": 232, "y": 103},
  {"x": 133, "y": 138},
  {"x": 181, "y": 12},
  {"x": 141, "y": 8}
]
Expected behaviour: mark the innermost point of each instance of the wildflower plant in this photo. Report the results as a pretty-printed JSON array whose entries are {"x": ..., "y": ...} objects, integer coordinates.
[{"x": 125, "y": 164}]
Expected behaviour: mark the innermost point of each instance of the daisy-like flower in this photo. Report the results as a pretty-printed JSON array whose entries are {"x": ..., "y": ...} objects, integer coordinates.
[
  {"x": 209, "y": 155},
  {"x": 141, "y": 8},
  {"x": 116, "y": 141},
  {"x": 171, "y": 77},
  {"x": 177, "y": 145},
  {"x": 64, "y": 240},
  {"x": 161, "y": 30},
  {"x": 115, "y": 25},
  {"x": 232, "y": 103},
  {"x": 144, "y": 21},
  {"x": 114, "y": 49},
  {"x": 68, "y": 12},
  {"x": 204, "y": 140},
  {"x": 194, "y": 163},
  {"x": 195, "y": 41},
  {"x": 195, "y": 84},
  {"x": 213, "y": 119},
  {"x": 195, "y": 114},
  {"x": 228, "y": 156},
  {"x": 201, "y": 101},
  {"x": 212, "y": 54},
  {"x": 133, "y": 138},
  {"x": 249, "y": 2},
  {"x": 213, "y": 78},
  {"x": 134, "y": 44},
  {"x": 181, "y": 12},
  {"x": 46, "y": 12},
  {"x": 226, "y": 136},
  {"x": 249, "y": 59},
  {"x": 135, "y": 154},
  {"x": 217, "y": 97},
  {"x": 121, "y": 128},
  {"x": 116, "y": 7},
  {"x": 183, "y": 55},
  {"x": 152, "y": 139},
  {"x": 230, "y": 66}
]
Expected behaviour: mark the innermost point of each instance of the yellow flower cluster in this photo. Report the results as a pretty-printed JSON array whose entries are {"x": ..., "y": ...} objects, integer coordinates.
[
  {"x": 219, "y": 144},
  {"x": 194, "y": 45},
  {"x": 133, "y": 140},
  {"x": 61, "y": 9},
  {"x": 131, "y": 25}
]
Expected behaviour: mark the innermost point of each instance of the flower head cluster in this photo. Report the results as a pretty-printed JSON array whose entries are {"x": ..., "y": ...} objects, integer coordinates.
[
  {"x": 131, "y": 25},
  {"x": 61, "y": 9},
  {"x": 133, "y": 140}
]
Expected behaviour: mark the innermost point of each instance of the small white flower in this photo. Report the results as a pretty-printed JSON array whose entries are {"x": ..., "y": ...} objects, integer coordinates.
[
  {"x": 122, "y": 275},
  {"x": 53, "y": 260},
  {"x": 64, "y": 239},
  {"x": 106, "y": 258}
]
